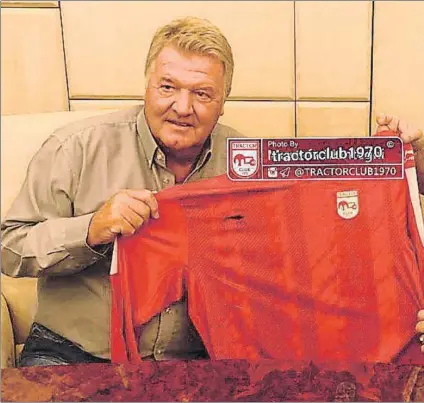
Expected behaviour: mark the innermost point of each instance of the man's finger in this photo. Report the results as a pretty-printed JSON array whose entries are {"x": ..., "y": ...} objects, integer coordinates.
[
  {"x": 382, "y": 128},
  {"x": 403, "y": 127},
  {"x": 116, "y": 229},
  {"x": 383, "y": 119},
  {"x": 127, "y": 228},
  {"x": 391, "y": 123},
  {"x": 139, "y": 207},
  {"x": 415, "y": 137},
  {"x": 147, "y": 197},
  {"x": 394, "y": 125},
  {"x": 420, "y": 314},
  {"x": 420, "y": 327},
  {"x": 135, "y": 220}
]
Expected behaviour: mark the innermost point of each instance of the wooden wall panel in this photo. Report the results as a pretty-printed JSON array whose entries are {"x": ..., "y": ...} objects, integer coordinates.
[
  {"x": 333, "y": 50},
  {"x": 332, "y": 119},
  {"x": 260, "y": 119},
  {"x": 32, "y": 63},
  {"x": 106, "y": 54},
  {"x": 399, "y": 60},
  {"x": 92, "y": 105},
  {"x": 29, "y": 4}
]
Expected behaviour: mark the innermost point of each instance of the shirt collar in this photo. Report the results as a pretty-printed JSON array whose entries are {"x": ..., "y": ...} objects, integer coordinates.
[
  {"x": 151, "y": 148},
  {"x": 147, "y": 140},
  {"x": 207, "y": 150}
]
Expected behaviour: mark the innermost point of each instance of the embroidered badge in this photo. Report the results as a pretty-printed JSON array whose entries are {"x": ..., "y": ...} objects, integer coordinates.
[
  {"x": 244, "y": 157},
  {"x": 348, "y": 204}
]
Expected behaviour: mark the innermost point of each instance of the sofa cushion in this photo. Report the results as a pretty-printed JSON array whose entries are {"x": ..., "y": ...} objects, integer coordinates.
[
  {"x": 7, "y": 339},
  {"x": 21, "y": 297}
]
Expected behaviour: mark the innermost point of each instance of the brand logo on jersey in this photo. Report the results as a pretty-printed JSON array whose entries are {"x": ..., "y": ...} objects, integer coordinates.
[
  {"x": 244, "y": 158},
  {"x": 409, "y": 160},
  {"x": 347, "y": 204}
]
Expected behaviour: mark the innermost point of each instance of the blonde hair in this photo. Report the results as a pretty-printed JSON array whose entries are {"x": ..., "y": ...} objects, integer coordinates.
[{"x": 195, "y": 35}]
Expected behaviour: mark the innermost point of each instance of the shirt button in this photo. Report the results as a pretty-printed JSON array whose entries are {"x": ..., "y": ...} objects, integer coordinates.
[
  {"x": 165, "y": 181},
  {"x": 160, "y": 351},
  {"x": 160, "y": 157}
]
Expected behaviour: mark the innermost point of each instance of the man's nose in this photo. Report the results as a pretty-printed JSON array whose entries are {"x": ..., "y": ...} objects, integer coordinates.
[{"x": 183, "y": 104}]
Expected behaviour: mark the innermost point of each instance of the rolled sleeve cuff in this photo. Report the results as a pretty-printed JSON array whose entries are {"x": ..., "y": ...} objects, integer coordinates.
[{"x": 75, "y": 241}]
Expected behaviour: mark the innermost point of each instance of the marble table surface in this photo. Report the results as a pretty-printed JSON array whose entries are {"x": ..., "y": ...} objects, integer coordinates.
[{"x": 204, "y": 380}]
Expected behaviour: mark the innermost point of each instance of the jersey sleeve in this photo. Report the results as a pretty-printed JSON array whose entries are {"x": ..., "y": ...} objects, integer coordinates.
[{"x": 147, "y": 278}]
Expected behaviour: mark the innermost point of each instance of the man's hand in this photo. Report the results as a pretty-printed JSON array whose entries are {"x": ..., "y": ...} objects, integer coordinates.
[
  {"x": 409, "y": 135},
  {"x": 124, "y": 213},
  {"x": 406, "y": 133},
  {"x": 420, "y": 327}
]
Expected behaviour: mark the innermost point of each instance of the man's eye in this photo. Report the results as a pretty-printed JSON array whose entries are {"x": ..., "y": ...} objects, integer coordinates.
[
  {"x": 203, "y": 96},
  {"x": 167, "y": 88}
]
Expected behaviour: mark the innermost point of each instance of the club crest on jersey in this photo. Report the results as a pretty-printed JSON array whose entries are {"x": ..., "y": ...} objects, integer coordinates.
[
  {"x": 244, "y": 158},
  {"x": 347, "y": 204},
  {"x": 409, "y": 160}
]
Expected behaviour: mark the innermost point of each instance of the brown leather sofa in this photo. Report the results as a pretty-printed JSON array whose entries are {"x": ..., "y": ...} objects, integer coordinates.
[{"x": 18, "y": 305}]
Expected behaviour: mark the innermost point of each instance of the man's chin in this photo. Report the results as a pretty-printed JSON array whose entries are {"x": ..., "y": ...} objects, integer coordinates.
[
  {"x": 176, "y": 145},
  {"x": 180, "y": 148},
  {"x": 176, "y": 142}
]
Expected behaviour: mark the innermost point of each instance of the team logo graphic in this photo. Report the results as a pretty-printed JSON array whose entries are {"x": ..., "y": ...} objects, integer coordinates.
[
  {"x": 285, "y": 173},
  {"x": 348, "y": 204},
  {"x": 272, "y": 172},
  {"x": 244, "y": 157},
  {"x": 409, "y": 159}
]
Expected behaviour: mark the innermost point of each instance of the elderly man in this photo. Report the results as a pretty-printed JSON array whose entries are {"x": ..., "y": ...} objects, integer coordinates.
[{"x": 95, "y": 179}]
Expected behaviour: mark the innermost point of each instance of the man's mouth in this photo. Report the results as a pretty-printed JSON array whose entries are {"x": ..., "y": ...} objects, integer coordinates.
[{"x": 181, "y": 124}]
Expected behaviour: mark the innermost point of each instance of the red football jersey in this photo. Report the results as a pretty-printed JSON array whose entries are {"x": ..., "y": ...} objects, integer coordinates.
[{"x": 296, "y": 270}]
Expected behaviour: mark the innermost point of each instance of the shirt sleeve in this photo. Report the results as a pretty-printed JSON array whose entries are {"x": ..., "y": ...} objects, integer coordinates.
[{"x": 40, "y": 234}]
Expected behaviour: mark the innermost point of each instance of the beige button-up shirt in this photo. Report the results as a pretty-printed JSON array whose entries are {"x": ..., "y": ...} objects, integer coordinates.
[{"x": 44, "y": 233}]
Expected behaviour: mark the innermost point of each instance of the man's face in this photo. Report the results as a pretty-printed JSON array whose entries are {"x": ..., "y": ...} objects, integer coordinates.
[{"x": 184, "y": 99}]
